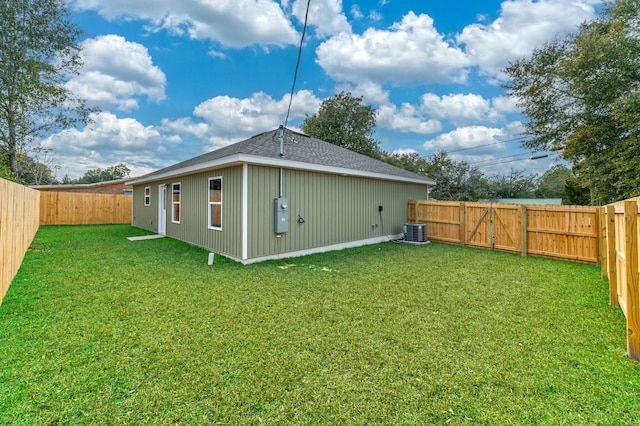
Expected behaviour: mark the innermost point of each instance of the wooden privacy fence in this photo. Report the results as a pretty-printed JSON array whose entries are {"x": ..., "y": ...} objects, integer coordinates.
[
  {"x": 19, "y": 221},
  {"x": 561, "y": 232},
  {"x": 73, "y": 208},
  {"x": 619, "y": 223}
]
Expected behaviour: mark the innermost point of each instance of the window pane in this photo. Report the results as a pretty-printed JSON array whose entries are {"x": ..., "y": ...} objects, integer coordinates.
[
  {"x": 176, "y": 212},
  {"x": 215, "y": 190},
  {"x": 215, "y": 196},
  {"x": 216, "y": 215},
  {"x": 215, "y": 184}
]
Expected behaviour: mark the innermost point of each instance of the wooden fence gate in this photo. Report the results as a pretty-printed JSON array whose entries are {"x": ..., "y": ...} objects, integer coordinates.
[
  {"x": 563, "y": 232},
  {"x": 494, "y": 226}
]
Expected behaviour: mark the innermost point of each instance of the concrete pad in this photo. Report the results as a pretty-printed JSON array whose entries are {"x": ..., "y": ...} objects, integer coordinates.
[{"x": 145, "y": 237}]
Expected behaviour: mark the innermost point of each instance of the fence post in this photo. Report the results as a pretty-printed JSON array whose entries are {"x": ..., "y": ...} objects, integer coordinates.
[
  {"x": 602, "y": 236},
  {"x": 633, "y": 292},
  {"x": 492, "y": 226},
  {"x": 598, "y": 226},
  {"x": 612, "y": 262},
  {"x": 523, "y": 229},
  {"x": 462, "y": 231},
  {"x": 412, "y": 211}
]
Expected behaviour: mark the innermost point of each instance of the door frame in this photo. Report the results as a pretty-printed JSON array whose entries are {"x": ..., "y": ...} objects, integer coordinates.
[{"x": 162, "y": 209}]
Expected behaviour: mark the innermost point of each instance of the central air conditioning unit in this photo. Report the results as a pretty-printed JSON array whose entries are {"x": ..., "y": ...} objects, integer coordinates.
[{"x": 415, "y": 232}]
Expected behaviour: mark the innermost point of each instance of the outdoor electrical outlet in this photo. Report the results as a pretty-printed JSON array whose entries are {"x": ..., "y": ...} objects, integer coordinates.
[{"x": 379, "y": 208}]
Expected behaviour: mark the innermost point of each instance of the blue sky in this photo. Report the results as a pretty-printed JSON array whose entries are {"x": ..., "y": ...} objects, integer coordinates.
[{"x": 176, "y": 78}]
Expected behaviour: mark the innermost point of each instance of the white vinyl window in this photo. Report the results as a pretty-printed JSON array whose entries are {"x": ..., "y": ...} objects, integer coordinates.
[
  {"x": 175, "y": 202},
  {"x": 147, "y": 196},
  {"x": 215, "y": 203}
]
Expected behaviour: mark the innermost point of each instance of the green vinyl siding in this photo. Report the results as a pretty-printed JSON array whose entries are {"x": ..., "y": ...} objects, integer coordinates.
[
  {"x": 193, "y": 227},
  {"x": 336, "y": 209},
  {"x": 145, "y": 217}
]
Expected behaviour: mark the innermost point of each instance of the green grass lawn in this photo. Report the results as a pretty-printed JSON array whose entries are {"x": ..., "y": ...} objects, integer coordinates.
[{"x": 101, "y": 330}]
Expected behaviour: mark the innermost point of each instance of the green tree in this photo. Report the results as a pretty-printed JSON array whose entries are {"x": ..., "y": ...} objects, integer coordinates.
[
  {"x": 582, "y": 96},
  {"x": 411, "y": 162},
  {"x": 455, "y": 180},
  {"x": 577, "y": 193},
  {"x": 345, "y": 121},
  {"x": 35, "y": 170},
  {"x": 514, "y": 184},
  {"x": 5, "y": 173},
  {"x": 38, "y": 54},
  {"x": 119, "y": 171},
  {"x": 553, "y": 182}
]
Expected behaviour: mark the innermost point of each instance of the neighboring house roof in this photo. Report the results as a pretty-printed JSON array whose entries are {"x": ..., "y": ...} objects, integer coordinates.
[
  {"x": 300, "y": 151},
  {"x": 119, "y": 184}
]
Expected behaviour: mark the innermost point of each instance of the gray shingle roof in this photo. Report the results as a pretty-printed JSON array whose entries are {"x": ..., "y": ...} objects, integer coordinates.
[{"x": 297, "y": 147}]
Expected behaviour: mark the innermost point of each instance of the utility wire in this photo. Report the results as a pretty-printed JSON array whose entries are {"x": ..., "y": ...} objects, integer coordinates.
[
  {"x": 535, "y": 157},
  {"x": 295, "y": 74},
  {"x": 519, "y": 138},
  {"x": 498, "y": 158}
]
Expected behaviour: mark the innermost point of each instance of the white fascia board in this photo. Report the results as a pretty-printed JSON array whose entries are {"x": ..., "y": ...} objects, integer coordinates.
[{"x": 277, "y": 162}]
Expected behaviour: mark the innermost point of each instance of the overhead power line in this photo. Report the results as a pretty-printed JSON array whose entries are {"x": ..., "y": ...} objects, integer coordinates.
[
  {"x": 519, "y": 138},
  {"x": 295, "y": 73},
  {"x": 488, "y": 160},
  {"x": 534, "y": 157}
]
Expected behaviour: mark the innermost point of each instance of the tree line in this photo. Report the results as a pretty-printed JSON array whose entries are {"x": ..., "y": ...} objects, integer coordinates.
[{"x": 345, "y": 120}]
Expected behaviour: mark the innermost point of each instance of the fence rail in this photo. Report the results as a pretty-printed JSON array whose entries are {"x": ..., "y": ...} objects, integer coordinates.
[
  {"x": 562, "y": 232},
  {"x": 19, "y": 221},
  {"x": 72, "y": 208}
]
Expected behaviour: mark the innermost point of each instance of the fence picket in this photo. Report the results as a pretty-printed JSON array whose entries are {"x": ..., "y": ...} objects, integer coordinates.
[
  {"x": 19, "y": 221},
  {"x": 563, "y": 232}
]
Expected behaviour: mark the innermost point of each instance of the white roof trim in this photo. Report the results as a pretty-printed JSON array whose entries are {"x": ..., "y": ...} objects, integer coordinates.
[{"x": 275, "y": 162}]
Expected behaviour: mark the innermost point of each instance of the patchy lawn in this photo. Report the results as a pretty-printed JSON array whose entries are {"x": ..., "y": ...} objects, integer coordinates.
[{"x": 98, "y": 329}]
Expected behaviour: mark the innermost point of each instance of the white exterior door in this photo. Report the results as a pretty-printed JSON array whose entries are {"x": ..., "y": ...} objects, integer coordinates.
[{"x": 162, "y": 209}]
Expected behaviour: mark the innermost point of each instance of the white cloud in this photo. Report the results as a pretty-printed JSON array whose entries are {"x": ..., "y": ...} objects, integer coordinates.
[
  {"x": 411, "y": 51},
  {"x": 325, "y": 15},
  {"x": 459, "y": 109},
  {"x": 404, "y": 151},
  {"x": 505, "y": 104},
  {"x": 186, "y": 126},
  {"x": 371, "y": 93},
  {"x": 493, "y": 150},
  {"x": 466, "y": 137},
  {"x": 374, "y": 16},
  {"x": 236, "y": 23},
  {"x": 522, "y": 26},
  {"x": 406, "y": 119},
  {"x": 233, "y": 117},
  {"x": 116, "y": 72},
  {"x": 356, "y": 12},
  {"x": 110, "y": 140}
]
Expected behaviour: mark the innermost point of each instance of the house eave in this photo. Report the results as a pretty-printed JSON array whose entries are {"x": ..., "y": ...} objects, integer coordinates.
[{"x": 275, "y": 162}]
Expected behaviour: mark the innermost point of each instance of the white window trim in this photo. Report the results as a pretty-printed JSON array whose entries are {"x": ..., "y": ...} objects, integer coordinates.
[
  {"x": 211, "y": 203},
  {"x": 173, "y": 203},
  {"x": 147, "y": 198}
]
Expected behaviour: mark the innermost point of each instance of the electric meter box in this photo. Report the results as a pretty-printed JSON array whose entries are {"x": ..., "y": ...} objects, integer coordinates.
[{"x": 281, "y": 215}]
